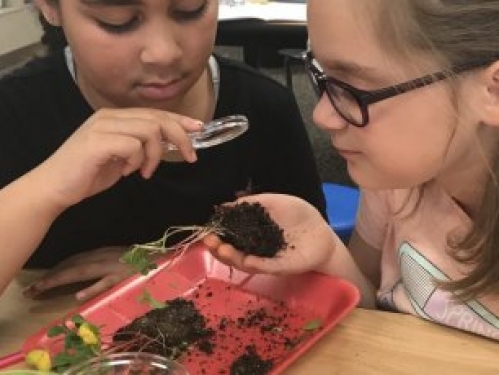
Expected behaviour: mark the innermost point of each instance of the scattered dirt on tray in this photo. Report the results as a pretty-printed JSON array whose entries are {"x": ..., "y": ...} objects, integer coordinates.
[
  {"x": 219, "y": 329},
  {"x": 249, "y": 228},
  {"x": 250, "y": 363},
  {"x": 166, "y": 331}
]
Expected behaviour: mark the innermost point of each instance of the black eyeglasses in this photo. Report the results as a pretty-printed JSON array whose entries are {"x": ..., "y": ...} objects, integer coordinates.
[{"x": 352, "y": 103}]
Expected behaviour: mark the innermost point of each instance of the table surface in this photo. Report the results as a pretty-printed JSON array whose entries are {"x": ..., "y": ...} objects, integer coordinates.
[{"x": 365, "y": 342}]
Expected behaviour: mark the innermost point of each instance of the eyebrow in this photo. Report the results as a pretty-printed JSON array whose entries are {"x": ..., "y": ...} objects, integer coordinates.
[
  {"x": 111, "y": 2},
  {"x": 354, "y": 69}
]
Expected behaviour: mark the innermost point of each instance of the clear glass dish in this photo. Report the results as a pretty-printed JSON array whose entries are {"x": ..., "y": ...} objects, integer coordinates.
[
  {"x": 25, "y": 372},
  {"x": 130, "y": 363}
]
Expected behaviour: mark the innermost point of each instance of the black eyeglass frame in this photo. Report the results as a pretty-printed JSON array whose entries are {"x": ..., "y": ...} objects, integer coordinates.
[{"x": 365, "y": 98}]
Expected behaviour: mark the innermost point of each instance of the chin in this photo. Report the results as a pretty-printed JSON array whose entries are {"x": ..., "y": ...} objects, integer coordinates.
[
  {"x": 140, "y": 102},
  {"x": 375, "y": 181}
]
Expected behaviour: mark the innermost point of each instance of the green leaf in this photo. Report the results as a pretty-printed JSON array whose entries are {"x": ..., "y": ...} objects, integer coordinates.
[
  {"x": 56, "y": 331},
  {"x": 312, "y": 325},
  {"x": 73, "y": 341},
  {"x": 94, "y": 329},
  {"x": 139, "y": 258},
  {"x": 146, "y": 297},
  {"x": 62, "y": 359},
  {"x": 173, "y": 286},
  {"x": 78, "y": 320}
]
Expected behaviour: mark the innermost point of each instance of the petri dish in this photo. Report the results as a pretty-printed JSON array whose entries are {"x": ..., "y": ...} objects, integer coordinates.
[
  {"x": 130, "y": 363},
  {"x": 25, "y": 372}
]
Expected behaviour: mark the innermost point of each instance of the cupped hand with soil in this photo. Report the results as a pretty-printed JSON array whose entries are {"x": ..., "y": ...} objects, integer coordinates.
[{"x": 309, "y": 240}]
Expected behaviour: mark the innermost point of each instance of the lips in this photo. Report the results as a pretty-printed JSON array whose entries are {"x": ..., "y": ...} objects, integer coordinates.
[
  {"x": 158, "y": 90},
  {"x": 347, "y": 153}
]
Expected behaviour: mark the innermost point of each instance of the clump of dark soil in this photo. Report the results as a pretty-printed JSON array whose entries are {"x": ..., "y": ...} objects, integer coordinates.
[
  {"x": 249, "y": 228},
  {"x": 166, "y": 331},
  {"x": 250, "y": 363}
]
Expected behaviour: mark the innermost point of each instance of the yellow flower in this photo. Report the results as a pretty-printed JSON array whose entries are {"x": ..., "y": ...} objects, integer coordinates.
[
  {"x": 87, "y": 334},
  {"x": 39, "y": 359}
]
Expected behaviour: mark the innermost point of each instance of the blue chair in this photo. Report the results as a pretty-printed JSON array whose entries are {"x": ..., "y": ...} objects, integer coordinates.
[{"x": 341, "y": 207}]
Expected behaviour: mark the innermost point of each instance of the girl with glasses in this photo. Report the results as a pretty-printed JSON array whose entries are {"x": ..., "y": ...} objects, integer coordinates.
[
  {"x": 93, "y": 116},
  {"x": 409, "y": 94}
]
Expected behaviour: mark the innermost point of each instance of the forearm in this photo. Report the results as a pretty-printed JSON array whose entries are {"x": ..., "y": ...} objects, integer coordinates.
[
  {"x": 342, "y": 264},
  {"x": 26, "y": 213}
]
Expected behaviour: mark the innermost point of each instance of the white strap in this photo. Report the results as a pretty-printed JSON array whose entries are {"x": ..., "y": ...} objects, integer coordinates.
[
  {"x": 215, "y": 75},
  {"x": 70, "y": 62}
]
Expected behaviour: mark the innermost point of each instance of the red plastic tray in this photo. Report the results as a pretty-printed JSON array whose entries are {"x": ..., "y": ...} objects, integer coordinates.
[{"x": 292, "y": 302}]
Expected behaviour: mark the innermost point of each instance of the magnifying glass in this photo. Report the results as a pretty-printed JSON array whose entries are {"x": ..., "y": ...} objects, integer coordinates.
[
  {"x": 213, "y": 133},
  {"x": 216, "y": 132}
]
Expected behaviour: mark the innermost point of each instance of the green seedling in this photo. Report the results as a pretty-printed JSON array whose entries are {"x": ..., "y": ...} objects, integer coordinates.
[{"x": 141, "y": 256}]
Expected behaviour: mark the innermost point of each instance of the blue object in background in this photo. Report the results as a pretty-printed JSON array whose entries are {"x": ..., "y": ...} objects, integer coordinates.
[{"x": 341, "y": 207}]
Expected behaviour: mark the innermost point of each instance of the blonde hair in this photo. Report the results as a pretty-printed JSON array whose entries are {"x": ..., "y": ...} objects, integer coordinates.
[{"x": 454, "y": 32}]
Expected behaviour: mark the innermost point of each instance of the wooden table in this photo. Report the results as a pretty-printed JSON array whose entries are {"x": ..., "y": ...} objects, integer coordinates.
[{"x": 365, "y": 342}]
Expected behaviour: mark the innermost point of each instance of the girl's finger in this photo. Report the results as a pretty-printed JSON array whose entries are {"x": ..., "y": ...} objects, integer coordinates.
[
  {"x": 227, "y": 254},
  {"x": 154, "y": 133},
  {"x": 156, "y": 115},
  {"x": 253, "y": 264},
  {"x": 212, "y": 241},
  {"x": 180, "y": 139},
  {"x": 134, "y": 162},
  {"x": 100, "y": 286},
  {"x": 121, "y": 150}
]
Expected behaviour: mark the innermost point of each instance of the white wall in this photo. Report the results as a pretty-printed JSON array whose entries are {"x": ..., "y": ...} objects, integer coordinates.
[{"x": 19, "y": 26}]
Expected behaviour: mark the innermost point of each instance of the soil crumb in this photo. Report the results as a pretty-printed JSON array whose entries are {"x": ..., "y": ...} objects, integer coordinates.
[
  {"x": 250, "y": 363},
  {"x": 249, "y": 228}
]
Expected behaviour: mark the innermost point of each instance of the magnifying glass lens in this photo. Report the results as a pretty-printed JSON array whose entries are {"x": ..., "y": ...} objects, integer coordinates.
[{"x": 216, "y": 132}]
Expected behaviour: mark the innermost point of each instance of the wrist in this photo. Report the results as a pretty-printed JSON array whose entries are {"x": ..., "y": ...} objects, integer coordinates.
[
  {"x": 43, "y": 193},
  {"x": 329, "y": 264},
  {"x": 340, "y": 263}
]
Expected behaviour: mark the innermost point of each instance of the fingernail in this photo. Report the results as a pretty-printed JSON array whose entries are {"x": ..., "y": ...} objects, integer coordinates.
[
  {"x": 80, "y": 296},
  {"x": 36, "y": 286},
  {"x": 146, "y": 174},
  {"x": 28, "y": 290},
  {"x": 31, "y": 291},
  {"x": 187, "y": 121},
  {"x": 193, "y": 157}
]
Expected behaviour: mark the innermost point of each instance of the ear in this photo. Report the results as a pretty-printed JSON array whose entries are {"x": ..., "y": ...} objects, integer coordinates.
[
  {"x": 491, "y": 103},
  {"x": 50, "y": 11}
]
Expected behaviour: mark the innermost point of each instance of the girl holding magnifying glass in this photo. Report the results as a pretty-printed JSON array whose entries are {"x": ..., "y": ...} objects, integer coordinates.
[{"x": 94, "y": 117}]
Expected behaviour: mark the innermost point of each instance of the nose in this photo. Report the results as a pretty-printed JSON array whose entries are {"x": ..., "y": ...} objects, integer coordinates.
[
  {"x": 326, "y": 117},
  {"x": 160, "y": 46}
]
